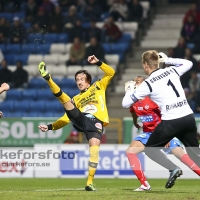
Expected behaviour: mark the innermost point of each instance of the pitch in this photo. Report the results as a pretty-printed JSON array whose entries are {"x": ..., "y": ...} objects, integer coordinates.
[{"x": 108, "y": 189}]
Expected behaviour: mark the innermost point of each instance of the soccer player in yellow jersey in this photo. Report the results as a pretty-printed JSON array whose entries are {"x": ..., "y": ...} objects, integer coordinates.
[{"x": 87, "y": 110}]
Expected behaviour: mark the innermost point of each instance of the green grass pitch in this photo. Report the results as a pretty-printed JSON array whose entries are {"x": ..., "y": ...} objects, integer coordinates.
[{"x": 108, "y": 189}]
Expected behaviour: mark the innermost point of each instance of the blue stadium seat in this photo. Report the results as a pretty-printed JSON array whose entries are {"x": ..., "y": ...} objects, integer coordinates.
[
  {"x": 104, "y": 16},
  {"x": 9, "y": 59},
  {"x": 45, "y": 94},
  {"x": 37, "y": 83},
  {"x": 50, "y": 38},
  {"x": 62, "y": 38},
  {"x": 21, "y": 15},
  {"x": 13, "y": 48},
  {"x": 37, "y": 106},
  {"x": 53, "y": 106},
  {"x": 22, "y": 106},
  {"x": 43, "y": 48},
  {"x": 28, "y": 48},
  {"x": 119, "y": 48},
  {"x": 29, "y": 94},
  {"x": 67, "y": 83},
  {"x": 73, "y": 92},
  {"x": 126, "y": 38},
  {"x": 46, "y": 114},
  {"x": 27, "y": 25},
  {"x": 107, "y": 48},
  {"x": 36, "y": 38},
  {"x": 13, "y": 94},
  {"x": 7, "y": 106},
  {"x": 23, "y": 58},
  {"x": 3, "y": 48},
  {"x": 7, "y": 15},
  {"x": 13, "y": 114},
  {"x": 85, "y": 25},
  {"x": 30, "y": 114}
]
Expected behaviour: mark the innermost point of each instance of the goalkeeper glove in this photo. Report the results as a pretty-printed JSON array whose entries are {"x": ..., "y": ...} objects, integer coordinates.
[
  {"x": 162, "y": 57},
  {"x": 130, "y": 85}
]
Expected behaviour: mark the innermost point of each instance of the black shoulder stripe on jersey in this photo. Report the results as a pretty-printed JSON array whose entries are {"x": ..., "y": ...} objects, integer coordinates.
[
  {"x": 97, "y": 86},
  {"x": 150, "y": 88},
  {"x": 176, "y": 71}
]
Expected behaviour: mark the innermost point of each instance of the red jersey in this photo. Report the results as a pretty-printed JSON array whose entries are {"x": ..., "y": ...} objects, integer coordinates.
[{"x": 148, "y": 112}]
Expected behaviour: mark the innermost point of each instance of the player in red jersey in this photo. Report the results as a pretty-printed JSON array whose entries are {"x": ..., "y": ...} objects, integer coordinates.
[
  {"x": 4, "y": 87},
  {"x": 149, "y": 114}
]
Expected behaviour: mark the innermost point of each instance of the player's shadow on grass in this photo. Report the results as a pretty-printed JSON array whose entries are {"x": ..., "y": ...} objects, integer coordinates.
[{"x": 160, "y": 191}]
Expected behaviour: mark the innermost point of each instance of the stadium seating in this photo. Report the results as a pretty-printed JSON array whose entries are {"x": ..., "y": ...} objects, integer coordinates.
[
  {"x": 14, "y": 94},
  {"x": 20, "y": 106},
  {"x": 36, "y": 83},
  {"x": 58, "y": 49},
  {"x": 34, "y": 59},
  {"x": 29, "y": 94}
]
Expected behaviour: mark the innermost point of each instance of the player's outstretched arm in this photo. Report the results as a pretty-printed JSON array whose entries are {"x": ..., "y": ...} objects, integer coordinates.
[
  {"x": 135, "y": 117},
  {"x": 61, "y": 122},
  {"x": 4, "y": 87},
  {"x": 109, "y": 71}
]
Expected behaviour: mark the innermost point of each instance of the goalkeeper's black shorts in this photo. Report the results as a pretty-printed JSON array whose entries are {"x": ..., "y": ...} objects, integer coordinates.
[{"x": 86, "y": 123}]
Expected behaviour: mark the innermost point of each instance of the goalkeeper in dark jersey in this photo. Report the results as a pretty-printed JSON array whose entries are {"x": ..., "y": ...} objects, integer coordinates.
[{"x": 87, "y": 110}]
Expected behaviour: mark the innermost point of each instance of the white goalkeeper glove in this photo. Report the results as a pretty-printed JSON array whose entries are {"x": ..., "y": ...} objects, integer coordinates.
[
  {"x": 130, "y": 85},
  {"x": 162, "y": 57}
]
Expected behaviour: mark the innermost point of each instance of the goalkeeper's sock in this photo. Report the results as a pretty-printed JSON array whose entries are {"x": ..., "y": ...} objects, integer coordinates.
[
  {"x": 61, "y": 96},
  {"x": 93, "y": 162},
  {"x": 190, "y": 163},
  {"x": 137, "y": 167}
]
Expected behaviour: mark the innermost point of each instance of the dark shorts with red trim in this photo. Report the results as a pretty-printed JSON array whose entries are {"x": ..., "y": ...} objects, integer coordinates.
[{"x": 86, "y": 123}]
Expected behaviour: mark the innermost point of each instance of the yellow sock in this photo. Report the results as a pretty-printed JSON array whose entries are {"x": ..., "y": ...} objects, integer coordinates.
[
  {"x": 93, "y": 162},
  {"x": 61, "y": 96}
]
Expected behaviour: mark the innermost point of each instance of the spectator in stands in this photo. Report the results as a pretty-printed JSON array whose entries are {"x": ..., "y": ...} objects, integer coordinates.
[
  {"x": 56, "y": 21},
  {"x": 72, "y": 138},
  {"x": 77, "y": 52},
  {"x": 119, "y": 10},
  {"x": 4, "y": 30},
  {"x": 194, "y": 82},
  {"x": 179, "y": 50},
  {"x": 42, "y": 19},
  {"x": 189, "y": 30},
  {"x": 189, "y": 56},
  {"x": 12, "y": 5},
  {"x": 111, "y": 31},
  {"x": 135, "y": 11},
  {"x": 193, "y": 11},
  {"x": 48, "y": 7},
  {"x": 17, "y": 32},
  {"x": 77, "y": 31},
  {"x": 80, "y": 4},
  {"x": 35, "y": 28},
  {"x": 30, "y": 10},
  {"x": 92, "y": 10},
  {"x": 94, "y": 49},
  {"x": 70, "y": 19},
  {"x": 65, "y": 4},
  {"x": 93, "y": 31},
  {"x": 5, "y": 73},
  {"x": 19, "y": 76}
]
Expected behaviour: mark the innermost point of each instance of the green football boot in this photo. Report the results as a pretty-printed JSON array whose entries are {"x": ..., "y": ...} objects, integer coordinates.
[{"x": 90, "y": 188}]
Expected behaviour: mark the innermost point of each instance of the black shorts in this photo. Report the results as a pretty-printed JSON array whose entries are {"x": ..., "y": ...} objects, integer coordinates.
[{"x": 92, "y": 127}]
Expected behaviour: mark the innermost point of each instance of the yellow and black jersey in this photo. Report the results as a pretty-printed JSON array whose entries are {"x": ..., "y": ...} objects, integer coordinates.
[{"x": 92, "y": 100}]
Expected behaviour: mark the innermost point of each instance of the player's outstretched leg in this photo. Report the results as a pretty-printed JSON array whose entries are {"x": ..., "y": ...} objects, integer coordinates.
[
  {"x": 61, "y": 96},
  {"x": 93, "y": 162}
]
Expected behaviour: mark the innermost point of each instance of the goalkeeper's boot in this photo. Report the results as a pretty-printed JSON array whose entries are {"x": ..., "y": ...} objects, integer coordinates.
[
  {"x": 143, "y": 188},
  {"x": 42, "y": 69},
  {"x": 172, "y": 177},
  {"x": 90, "y": 187}
]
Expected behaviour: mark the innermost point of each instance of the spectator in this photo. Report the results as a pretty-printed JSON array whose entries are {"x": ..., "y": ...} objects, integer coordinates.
[
  {"x": 42, "y": 19},
  {"x": 4, "y": 30},
  {"x": 93, "y": 31},
  {"x": 72, "y": 138},
  {"x": 94, "y": 49},
  {"x": 31, "y": 10},
  {"x": 193, "y": 11},
  {"x": 189, "y": 30},
  {"x": 5, "y": 73},
  {"x": 19, "y": 76},
  {"x": 48, "y": 7},
  {"x": 189, "y": 56},
  {"x": 92, "y": 11},
  {"x": 135, "y": 11},
  {"x": 35, "y": 28},
  {"x": 194, "y": 82},
  {"x": 119, "y": 10},
  {"x": 71, "y": 18},
  {"x": 65, "y": 4},
  {"x": 77, "y": 52},
  {"x": 17, "y": 32},
  {"x": 179, "y": 50},
  {"x": 80, "y": 5},
  {"x": 77, "y": 31},
  {"x": 56, "y": 21},
  {"x": 111, "y": 31}
]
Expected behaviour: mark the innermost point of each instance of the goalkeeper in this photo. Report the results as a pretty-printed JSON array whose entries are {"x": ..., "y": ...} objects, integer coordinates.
[{"x": 87, "y": 110}]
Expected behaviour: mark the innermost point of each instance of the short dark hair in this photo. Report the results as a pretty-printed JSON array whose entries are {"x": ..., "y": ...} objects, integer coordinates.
[{"x": 88, "y": 76}]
